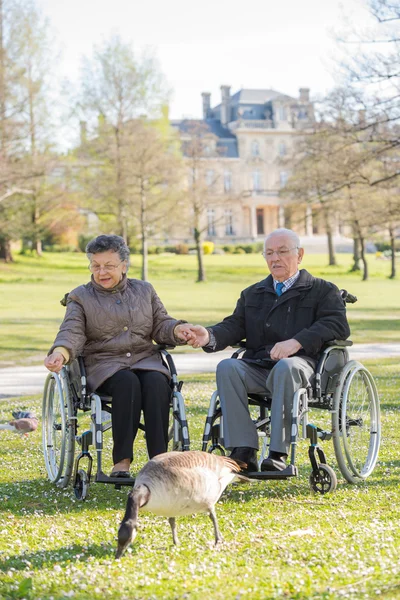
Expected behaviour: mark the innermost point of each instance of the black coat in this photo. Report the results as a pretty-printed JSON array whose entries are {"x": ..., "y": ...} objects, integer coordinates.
[{"x": 311, "y": 311}]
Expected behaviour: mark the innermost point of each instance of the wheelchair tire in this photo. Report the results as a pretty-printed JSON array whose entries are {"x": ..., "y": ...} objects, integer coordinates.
[
  {"x": 356, "y": 428},
  {"x": 58, "y": 429},
  {"x": 81, "y": 486},
  {"x": 217, "y": 449},
  {"x": 325, "y": 481}
]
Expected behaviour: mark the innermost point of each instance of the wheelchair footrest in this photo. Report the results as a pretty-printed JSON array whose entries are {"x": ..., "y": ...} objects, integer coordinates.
[
  {"x": 290, "y": 471},
  {"x": 117, "y": 481}
]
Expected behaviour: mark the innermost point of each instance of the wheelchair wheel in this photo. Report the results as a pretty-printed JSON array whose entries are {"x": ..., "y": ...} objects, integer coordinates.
[
  {"x": 325, "y": 481},
  {"x": 81, "y": 485},
  {"x": 58, "y": 429},
  {"x": 356, "y": 429}
]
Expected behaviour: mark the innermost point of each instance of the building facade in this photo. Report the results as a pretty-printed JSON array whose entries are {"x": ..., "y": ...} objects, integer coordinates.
[{"x": 244, "y": 166}]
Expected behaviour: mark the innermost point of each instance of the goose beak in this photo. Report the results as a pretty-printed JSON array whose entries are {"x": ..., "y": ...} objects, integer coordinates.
[{"x": 126, "y": 535}]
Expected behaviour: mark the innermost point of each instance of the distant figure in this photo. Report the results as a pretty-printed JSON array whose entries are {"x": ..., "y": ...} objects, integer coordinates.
[
  {"x": 176, "y": 484},
  {"x": 23, "y": 422},
  {"x": 112, "y": 322},
  {"x": 285, "y": 320}
]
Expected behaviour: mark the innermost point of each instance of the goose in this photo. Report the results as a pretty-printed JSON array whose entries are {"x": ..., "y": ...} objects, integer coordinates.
[
  {"x": 175, "y": 484},
  {"x": 23, "y": 423}
]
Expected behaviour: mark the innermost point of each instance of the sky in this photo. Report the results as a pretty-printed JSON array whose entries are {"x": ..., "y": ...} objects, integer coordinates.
[{"x": 203, "y": 44}]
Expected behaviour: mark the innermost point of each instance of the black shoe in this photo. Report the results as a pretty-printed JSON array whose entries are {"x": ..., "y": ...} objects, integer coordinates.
[
  {"x": 274, "y": 462},
  {"x": 246, "y": 455},
  {"x": 120, "y": 474}
]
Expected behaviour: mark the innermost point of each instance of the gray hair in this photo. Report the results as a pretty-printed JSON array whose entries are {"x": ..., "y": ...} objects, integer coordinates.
[
  {"x": 282, "y": 231},
  {"x": 103, "y": 243}
]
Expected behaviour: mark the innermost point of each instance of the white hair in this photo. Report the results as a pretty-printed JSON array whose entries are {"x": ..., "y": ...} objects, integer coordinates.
[{"x": 282, "y": 231}]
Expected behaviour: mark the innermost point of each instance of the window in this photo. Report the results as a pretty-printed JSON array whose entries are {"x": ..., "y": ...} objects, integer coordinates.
[
  {"x": 228, "y": 222},
  {"x": 256, "y": 179},
  {"x": 211, "y": 221},
  {"x": 282, "y": 113},
  {"x": 255, "y": 148},
  {"x": 209, "y": 177},
  {"x": 227, "y": 181},
  {"x": 260, "y": 221},
  {"x": 282, "y": 149},
  {"x": 283, "y": 178}
]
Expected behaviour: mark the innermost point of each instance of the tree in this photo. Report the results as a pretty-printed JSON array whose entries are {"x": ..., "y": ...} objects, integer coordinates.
[
  {"x": 26, "y": 55},
  {"x": 116, "y": 89},
  {"x": 199, "y": 147}
]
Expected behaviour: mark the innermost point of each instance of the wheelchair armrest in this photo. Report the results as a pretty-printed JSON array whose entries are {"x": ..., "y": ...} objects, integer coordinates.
[
  {"x": 342, "y": 343},
  {"x": 163, "y": 347}
]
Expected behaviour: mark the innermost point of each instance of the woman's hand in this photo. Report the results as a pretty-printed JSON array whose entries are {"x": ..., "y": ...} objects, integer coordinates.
[
  {"x": 54, "y": 362},
  {"x": 183, "y": 332}
]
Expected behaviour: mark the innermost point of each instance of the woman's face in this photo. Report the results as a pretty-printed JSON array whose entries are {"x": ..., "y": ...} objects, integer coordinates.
[{"x": 107, "y": 268}]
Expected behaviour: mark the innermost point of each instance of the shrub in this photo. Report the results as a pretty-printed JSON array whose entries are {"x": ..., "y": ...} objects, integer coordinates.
[
  {"x": 239, "y": 250},
  {"x": 83, "y": 241},
  {"x": 208, "y": 247},
  {"x": 182, "y": 249},
  {"x": 229, "y": 248}
]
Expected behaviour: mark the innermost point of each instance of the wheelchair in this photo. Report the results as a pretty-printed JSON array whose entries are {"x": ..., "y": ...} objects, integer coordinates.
[
  {"x": 341, "y": 386},
  {"x": 64, "y": 395}
]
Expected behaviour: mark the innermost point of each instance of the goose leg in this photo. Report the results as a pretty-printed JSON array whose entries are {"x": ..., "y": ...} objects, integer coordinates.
[
  {"x": 213, "y": 517},
  {"x": 172, "y": 522}
]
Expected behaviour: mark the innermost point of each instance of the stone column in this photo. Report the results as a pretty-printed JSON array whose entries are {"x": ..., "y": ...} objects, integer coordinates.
[
  {"x": 253, "y": 222},
  {"x": 281, "y": 216}
]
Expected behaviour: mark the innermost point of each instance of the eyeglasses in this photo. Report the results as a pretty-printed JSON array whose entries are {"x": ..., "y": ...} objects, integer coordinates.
[
  {"x": 279, "y": 253},
  {"x": 106, "y": 268}
]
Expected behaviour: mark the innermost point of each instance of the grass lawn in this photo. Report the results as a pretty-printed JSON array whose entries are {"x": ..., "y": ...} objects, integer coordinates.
[
  {"x": 280, "y": 540},
  {"x": 30, "y": 291}
]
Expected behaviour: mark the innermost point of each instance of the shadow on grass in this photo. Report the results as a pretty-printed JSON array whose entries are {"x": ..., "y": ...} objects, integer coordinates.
[{"x": 65, "y": 554}]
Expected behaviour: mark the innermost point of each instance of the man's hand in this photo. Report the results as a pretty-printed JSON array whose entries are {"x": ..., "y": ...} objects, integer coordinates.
[
  {"x": 200, "y": 336},
  {"x": 285, "y": 349},
  {"x": 54, "y": 362}
]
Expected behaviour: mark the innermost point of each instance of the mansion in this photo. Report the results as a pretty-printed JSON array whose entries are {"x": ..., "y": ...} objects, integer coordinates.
[{"x": 246, "y": 165}]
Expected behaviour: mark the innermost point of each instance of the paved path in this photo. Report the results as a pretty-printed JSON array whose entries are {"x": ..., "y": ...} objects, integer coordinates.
[{"x": 23, "y": 381}]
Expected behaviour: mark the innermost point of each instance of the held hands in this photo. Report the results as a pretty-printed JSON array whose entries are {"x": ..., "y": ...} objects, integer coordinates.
[
  {"x": 54, "y": 362},
  {"x": 285, "y": 349},
  {"x": 200, "y": 336},
  {"x": 194, "y": 335}
]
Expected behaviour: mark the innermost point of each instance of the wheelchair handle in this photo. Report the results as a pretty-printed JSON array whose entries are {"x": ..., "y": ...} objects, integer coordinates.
[{"x": 347, "y": 297}]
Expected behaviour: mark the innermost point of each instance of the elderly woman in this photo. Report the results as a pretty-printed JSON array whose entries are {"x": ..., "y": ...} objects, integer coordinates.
[{"x": 111, "y": 321}]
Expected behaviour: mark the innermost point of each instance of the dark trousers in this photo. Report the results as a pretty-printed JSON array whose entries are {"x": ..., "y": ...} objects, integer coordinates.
[{"x": 133, "y": 392}]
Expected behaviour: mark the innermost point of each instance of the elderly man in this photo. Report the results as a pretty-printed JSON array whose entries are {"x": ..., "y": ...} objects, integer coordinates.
[{"x": 285, "y": 319}]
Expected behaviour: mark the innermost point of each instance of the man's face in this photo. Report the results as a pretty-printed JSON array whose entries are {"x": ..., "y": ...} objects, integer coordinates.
[{"x": 282, "y": 257}]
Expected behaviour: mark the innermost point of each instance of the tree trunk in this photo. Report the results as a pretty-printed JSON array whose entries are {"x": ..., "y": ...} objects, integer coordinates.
[
  {"x": 201, "y": 275},
  {"x": 356, "y": 255},
  {"x": 5, "y": 250},
  {"x": 329, "y": 234},
  {"x": 393, "y": 257},
  {"x": 363, "y": 259},
  {"x": 143, "y": 227},
  {"x": 38, "y": 247}
]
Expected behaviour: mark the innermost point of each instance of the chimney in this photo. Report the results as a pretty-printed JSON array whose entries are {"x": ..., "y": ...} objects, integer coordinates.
[
  {"x": 304, "y": 94},
  {"x": 225, "y": 104},
  {"x": 206, "y": 96}
]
